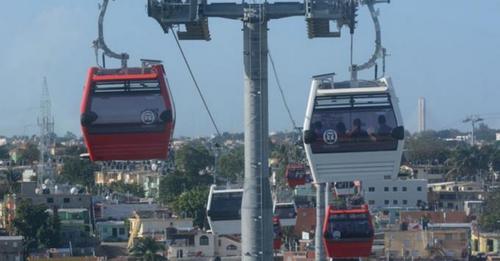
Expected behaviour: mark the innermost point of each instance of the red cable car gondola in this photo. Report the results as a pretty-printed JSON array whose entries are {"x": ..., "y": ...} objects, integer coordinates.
[
  {"x": 295, "y": 174},
  {"x": 277, "y": 233},
  {"x": 127, "y": 114},
  {"x": 348, "y": 233}
]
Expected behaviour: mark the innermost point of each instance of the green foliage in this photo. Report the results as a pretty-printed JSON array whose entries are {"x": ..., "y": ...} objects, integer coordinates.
[
  {"x": 231, "y": 165},
  {"x": 35, "y": 224},
  {"x": 467, "y": 161},
  {"x": 484, "y": 133},
  {"x": 193, "y": 158},
  {"x": 4, "y": 152},
  {"x": 147, "y": 249},
  {"x": 11, "y": 177},
  {"x": 192, "y": 204},
  {"x": 29, "y": 154},
  {"x": 490, "y": 218},
  {"x": 121, "y": 187},
  {"x": 77, "y": 171},
  {"x": 426, "y": 147},
  {"x": 172, "y": 185}
]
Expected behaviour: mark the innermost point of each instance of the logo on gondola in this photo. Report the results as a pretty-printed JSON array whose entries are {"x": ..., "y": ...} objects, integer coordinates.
[
  {"x": 148, "y": 117},
  {"x": 330, "y": 136}
]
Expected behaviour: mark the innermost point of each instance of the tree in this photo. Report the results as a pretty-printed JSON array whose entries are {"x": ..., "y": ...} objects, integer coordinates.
[
  {"x": 4, "y": 152},
  {"x": 34, "y": 223},
  {"x": 426, "y": 147},
  {"x": 30, "y": 153},
  {"x": 483, "y": 132},
  {"x": 147, "y": 249},
  {"x": 490, "y": 218},
  {"x": 122, "y": 187},
  {"x": 231, "y": 165},
  {"x": 172, "y": 185},
  {"x": 192, "y": 204},
  {"x": 193, "y": 158},
  {"x": 11, "y": 177},
  {"x": 77, "y": 171}
]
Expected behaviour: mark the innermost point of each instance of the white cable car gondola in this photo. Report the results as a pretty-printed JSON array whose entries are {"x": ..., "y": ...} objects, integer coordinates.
[
  {"x": 224, "y": 210},
  {"x": 353, "y": 133},
  {"x": 287, "y": 212}
]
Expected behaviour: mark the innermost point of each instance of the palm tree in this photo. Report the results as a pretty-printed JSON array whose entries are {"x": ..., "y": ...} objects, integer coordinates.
[{"x": 146, "y": 249}]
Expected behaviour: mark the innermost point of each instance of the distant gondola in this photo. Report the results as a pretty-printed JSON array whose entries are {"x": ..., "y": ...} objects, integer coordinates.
[
  {"x": 224, "y": 210},
  {"x": 348, "y": 233},
  {"x": 287, "y": 212},
  {"x": 295, "y": 174},
  {"x": 277, "y": 233},
  {"x": 127, "y": 114}
]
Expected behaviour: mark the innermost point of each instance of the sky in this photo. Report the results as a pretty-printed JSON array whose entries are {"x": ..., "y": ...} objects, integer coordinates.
[{"x": 447, "y": 51}]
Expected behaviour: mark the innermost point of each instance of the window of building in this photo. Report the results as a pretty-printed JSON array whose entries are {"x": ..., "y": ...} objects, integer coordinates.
[
  {"x": 394, "y": 189},
  {"x": 490, "y": 245},
  {"x": 50, "y": 200},
  {"x": 405, "y": 202},
  {"x": 404, "y": 189},
  {"x": 386, "y": 189},
  {"x": 231, "y": 247},
  {"x": 448, "y": 236},
  {"x": 203, "y": 240},
  {"x": 386, "y": 202},
  {"x": 449, "y": 205},
  {"x": 66, "y": 200},
  {"x": 121, "y": 231},
  {"x": 419, "y": 188},
  {"x": 371, "y": 202},
  {"x": 104, "y": 230},
  {"x": 371, "y": 189},
  {"x": 395, "y": 202},
  {"x": 220, "y": 243},
  {"x": 419, "y": 202}
]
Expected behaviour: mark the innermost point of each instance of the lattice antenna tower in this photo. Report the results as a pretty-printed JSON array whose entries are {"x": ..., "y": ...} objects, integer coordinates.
[{"x": 46, "y": 138}]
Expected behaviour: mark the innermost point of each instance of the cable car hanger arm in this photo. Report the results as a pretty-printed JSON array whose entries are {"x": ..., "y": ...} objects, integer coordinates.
[
  {"x": 378, "y": 41},
  {"x": 99, "y": 43}
]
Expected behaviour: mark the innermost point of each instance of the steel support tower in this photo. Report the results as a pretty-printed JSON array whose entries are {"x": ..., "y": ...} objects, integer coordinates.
[
  {"x": 46, "y": 139},
  {"x": 256, "y": 213}
]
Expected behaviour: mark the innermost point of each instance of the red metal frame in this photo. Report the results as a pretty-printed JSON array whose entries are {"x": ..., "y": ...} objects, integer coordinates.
[
  {"x": 352, "y": 248},
  {"x": 128, "y": 146}
]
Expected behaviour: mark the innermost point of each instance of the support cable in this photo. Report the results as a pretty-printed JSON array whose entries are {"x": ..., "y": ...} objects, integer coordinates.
[
  {"x": 196, "y": 83},
  {"x": 281, "y": 91}
]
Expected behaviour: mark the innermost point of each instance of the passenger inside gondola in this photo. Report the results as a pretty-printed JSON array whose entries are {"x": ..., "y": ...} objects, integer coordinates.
[{"x": 371, "y": 116}]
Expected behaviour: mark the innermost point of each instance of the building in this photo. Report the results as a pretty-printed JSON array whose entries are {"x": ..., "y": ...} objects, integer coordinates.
[
  {"x": 76, "y": 227},
  {"x": 108, "y": 210},
  {"x": 112, "y": 231},
  {"x": 155, "y": 224},
  {"x": 11, "y": 248},
  {"x": 453, "y": 195},
  {"x": 404, "y": 193},
  {"x": 196, "y": 244},
  {"x": 441, "y": 242},
  {"x": 54, "y": 199},
  {"x": 486, "y": 243}
]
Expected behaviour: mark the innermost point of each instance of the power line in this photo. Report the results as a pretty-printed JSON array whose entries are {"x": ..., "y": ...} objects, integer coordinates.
[
  {"x": 281, "y": 90},
  {"x": 196, "y": 83}
]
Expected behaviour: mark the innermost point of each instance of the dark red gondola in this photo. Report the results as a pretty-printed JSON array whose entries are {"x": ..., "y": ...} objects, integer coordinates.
[
  {"x": 127, "y": 114},
  {"x": 348, "y": 233},
  {"x": 277, "y": 233},
  {"x": 295, "y": 174}
]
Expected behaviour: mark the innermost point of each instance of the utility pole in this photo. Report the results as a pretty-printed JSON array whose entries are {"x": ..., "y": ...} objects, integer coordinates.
[
  {"x": 473, "y": 119},
  {"x": 256, "y": 212}
]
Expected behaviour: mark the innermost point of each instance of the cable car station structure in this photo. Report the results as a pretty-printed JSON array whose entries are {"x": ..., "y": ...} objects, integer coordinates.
[{"x": 257, "y": 208}]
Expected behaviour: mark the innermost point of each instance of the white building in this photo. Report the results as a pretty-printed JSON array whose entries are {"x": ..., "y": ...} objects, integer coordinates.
[
  {"x": 199, "y": 245},
  {"x": 404, "y": 193}
]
